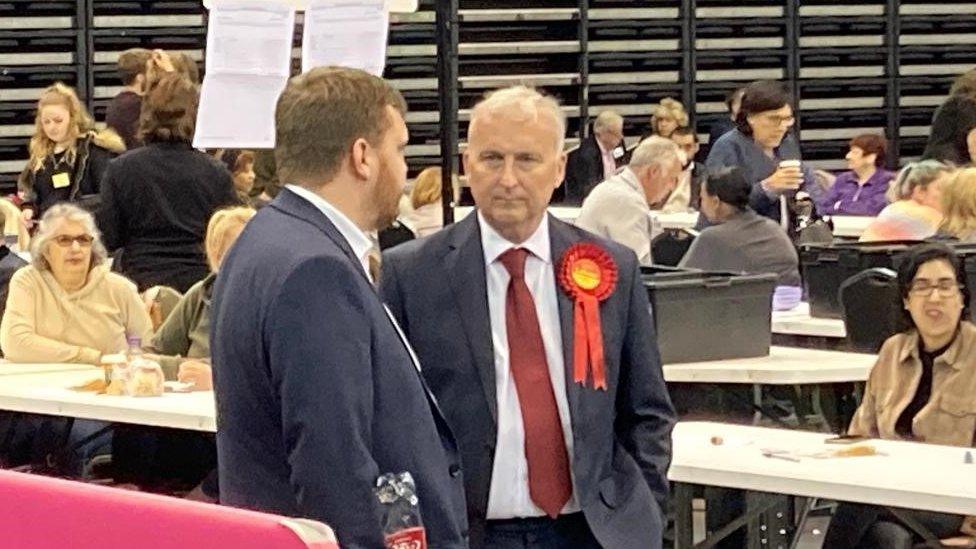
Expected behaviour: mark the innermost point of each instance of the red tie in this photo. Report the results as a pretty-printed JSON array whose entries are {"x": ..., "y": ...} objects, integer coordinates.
[{"x": 545, "y": 450}]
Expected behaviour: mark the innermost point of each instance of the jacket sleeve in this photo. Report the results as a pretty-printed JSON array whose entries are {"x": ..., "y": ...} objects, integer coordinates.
[
  {"x": 319, "y": 339},
  {"x": 171, "y": 341},
  {"x": 865, "y": 421},
  {"x": 18, "y": 331},
  {"x": 111, "y": 217},
  {"x": 645, "y": 416}
]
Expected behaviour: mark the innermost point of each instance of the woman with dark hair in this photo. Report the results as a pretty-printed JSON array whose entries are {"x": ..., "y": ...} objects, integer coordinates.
[
  {"x": 763, "y": 146},
  {"x": 738, "y": 239},
  {"x": 954, "y": 123},
  {"x": 156, "y": 200},
  {"x": 920, "y": 389},
  {"x": 862, "y": 190}
]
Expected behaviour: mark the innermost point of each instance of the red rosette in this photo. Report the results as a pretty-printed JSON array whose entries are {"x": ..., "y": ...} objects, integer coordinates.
[{"x": 588, "y": 274}]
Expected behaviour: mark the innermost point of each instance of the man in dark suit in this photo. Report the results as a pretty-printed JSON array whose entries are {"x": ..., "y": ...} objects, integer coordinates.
[
  {"x": 549, "y": 462},
  {"x": 318, "y": 393},
  {"x": 597, "y": 158}
]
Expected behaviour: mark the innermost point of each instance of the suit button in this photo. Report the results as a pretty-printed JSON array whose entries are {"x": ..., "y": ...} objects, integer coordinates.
[{"x": 454, "y": 470}]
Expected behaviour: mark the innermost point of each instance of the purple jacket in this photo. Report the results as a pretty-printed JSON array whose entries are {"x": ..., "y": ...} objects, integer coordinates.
[{"x": 846, "y": 197}]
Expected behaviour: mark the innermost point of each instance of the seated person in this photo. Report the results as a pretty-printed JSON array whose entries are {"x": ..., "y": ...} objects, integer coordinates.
[
  {"x": 739, "y": 239},
  {"x": 862, "y": 190},
  {"x": 426, "y": 212},
  {"x": 667, "y": 116},
  {"x": 724, "y": 125},
  {"x": 596, "y": 159},
  {"x": 687, "y": 193},
  {"x": 122, "y": 114},
  {"x": 959, "y": 206},
  {"x": 619, "y": 208},
  {"x": 915, "y": 212},
  {"x": 939, "y": 350},
  {"x": 182, "y": 343},
  {"x": 67, "y": 306}
]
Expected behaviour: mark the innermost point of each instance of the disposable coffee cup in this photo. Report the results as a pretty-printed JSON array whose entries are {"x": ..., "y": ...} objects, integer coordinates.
[{"x": 790, "y": 164}]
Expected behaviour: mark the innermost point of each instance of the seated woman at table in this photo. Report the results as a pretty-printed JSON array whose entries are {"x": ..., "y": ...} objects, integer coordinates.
[
  {"x": 863, "y": 189},
  {"x": 739, "y": 239},
  {"x": 921, "y": 389},
  {"x": 66, "y": 306},
  {"x": 183, "y": 340},
  {"x": 959, "y": 207},
  {"x": 915, "y": 212}
]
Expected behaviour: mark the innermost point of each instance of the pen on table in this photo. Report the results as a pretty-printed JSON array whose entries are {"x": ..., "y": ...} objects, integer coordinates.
[{"x": 778, "y": 455}]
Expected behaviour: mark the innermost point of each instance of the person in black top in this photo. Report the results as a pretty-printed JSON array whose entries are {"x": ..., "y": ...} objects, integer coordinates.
[
  {"x": 953, "y": 123},
  {"x": 67, "y": 157},
  {"x": 157, "y": 199},
  {"x": 920, "y": 390},
  {"x": 122, "y": 114},
  {"x": 726, "y": 124}
]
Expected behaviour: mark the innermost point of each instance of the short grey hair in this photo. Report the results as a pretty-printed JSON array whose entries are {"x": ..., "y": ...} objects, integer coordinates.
[
  {"x": 606, "y": 120},
  {"x": 656, "y": 150},
  {"x": 914, "y": 175},
  {"x": 524, "y": 103},
  {"x": 47, "y": 229}
]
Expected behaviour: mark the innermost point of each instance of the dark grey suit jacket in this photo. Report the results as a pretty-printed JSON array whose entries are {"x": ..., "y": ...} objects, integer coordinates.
[
  {"x": 316, "y": 392},
  {"x": 436, "y": 287}
]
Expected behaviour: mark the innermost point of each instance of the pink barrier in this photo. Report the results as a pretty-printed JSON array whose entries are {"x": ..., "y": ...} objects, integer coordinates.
[{"x": 46, "y": 513}]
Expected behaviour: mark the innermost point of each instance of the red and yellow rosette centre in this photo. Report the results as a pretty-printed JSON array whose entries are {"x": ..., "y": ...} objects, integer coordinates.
[{"x": 588, "y": 274}]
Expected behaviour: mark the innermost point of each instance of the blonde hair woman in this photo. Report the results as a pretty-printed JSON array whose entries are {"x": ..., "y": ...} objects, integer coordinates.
[
  {"x": 959, "y": 206},
  {"x": 67, "y": 157},
  {"x": 915, "y": 212},
  {"x": 427, "y": 214},
  {"x": 667, "y": 116},
  {"x": 184, "y": 337}
]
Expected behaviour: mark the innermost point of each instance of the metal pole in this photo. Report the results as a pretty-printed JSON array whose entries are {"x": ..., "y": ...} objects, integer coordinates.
[
  {"x": 447, "y": 90},
  {"x": 584, "y": 68},
  {"x": 894, "y": 82},
  {"x": 689, "y": 58}
]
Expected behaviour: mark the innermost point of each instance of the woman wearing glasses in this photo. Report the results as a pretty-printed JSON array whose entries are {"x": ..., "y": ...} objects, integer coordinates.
[
  {"x": 764, "y": 147},
  {"x": 921, "y": 389},
  {"x": 66, "y": 306}
]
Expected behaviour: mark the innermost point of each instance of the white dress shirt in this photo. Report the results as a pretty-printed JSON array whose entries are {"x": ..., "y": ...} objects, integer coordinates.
[
  {"x": 509, "y": 496},
  {"x": 358, "y": 240},
  {"x": 617, "y": 209}
]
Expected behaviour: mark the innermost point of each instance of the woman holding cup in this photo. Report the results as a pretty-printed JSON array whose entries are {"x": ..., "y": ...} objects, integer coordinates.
[{"x": 764, "y": 147}]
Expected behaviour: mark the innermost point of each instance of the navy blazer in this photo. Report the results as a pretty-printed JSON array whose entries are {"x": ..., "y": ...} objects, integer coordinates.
[
  {"x": 316, "y": 393},
  {"x": 436, "y": 287}
]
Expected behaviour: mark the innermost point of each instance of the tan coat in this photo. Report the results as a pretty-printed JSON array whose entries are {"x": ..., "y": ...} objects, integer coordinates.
[
  {"x": 43, "y": 323},
  {"x": 949, "y": 418}
]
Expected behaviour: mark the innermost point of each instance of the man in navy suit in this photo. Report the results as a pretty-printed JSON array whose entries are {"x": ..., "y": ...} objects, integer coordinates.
[
  {"x": 318, "y": 393},
  {"x": 548, "y": 462}
]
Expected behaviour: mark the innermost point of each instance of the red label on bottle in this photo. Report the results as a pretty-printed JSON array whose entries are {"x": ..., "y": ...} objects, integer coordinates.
[{"x": 411, "y": 538}]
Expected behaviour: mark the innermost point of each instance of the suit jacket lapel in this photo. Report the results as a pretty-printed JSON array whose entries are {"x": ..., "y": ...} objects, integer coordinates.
[
  {"x": 465, "y": 266},
  {"x": 561, "y": 237}
]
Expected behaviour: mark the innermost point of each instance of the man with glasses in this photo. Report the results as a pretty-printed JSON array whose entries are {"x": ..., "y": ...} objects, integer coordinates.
[{"x": 597, "y": 158}]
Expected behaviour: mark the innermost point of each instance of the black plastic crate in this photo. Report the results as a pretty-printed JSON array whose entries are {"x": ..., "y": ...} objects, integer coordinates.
[
  {"x": 147, "y": 7},
  {"x": 703, "y": 316}
]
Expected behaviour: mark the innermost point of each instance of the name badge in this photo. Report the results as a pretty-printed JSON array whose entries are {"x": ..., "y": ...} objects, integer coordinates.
[
  {"x": 617, "y": 153},
  {"x": 61, "y": 180}
]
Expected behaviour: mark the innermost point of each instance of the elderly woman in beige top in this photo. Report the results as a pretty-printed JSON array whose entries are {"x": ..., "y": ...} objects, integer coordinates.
[
  {"x": 66, "y": 306},
  {"x": 922, "y": 388}
]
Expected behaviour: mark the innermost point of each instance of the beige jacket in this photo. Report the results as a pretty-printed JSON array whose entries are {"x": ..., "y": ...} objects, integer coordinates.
[
  {"x": 617, "y": 209},
  {"x": 949, "y": 418},
  {"x": 43, "y": 323}
]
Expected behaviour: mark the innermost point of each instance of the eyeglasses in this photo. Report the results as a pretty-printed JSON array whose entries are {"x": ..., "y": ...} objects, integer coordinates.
[
  {"x": 779, "y": 120},
  {"x": 923, "y": 288},
  {"x": 83, "y": 240}
]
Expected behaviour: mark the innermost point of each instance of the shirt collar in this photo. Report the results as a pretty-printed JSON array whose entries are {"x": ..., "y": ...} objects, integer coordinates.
[
  {"x": 911, "y": 345},
  {"x": 358, "y": 240},
  {"x": 603, "y": 150},
  {"x": 494, "y": 244},
  {"x": 630, "y": 178}
]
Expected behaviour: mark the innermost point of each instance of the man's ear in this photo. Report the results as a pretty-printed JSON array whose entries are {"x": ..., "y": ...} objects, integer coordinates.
[{"x": 360, "y": 158}]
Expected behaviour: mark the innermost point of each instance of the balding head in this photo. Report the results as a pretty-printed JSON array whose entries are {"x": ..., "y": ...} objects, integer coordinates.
[
  {"x": 608, "y": 128},
  {"x": 656, "y": 162},
  {"x": 521, "y": 104}
]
